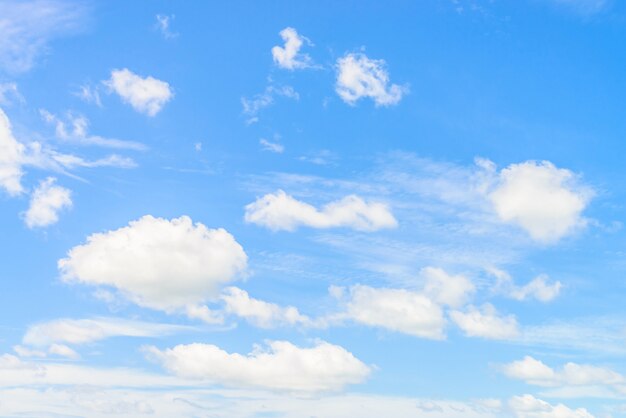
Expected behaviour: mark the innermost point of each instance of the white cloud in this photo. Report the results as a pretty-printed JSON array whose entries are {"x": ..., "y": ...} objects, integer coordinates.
[
  {"x": 546, "y": 201},
  {"x": 158, "y": 263},
  {"x": 163, "y": 25},
  {"x": 252, "y": 106},
  {"x": 446, "y": 289},
  {"x": 46, "y": 202},
  {"x": 63, "y": 351},
  {"x": 289, "y": 56},
  {"x": 538, "y": 288},
  {"x": 84, "y": 331},
  {"x": 271, "y": 146},
  {"x": 527, "y": 406},
  {"x": 394, "y": 309},
  {"x": 281, "y": 366},
  {"x": 535, "y": 372},
  {"x": 359, "y": 77},
  {"x": 146, "y": 95},
  {"x": 280, "y": 211},
  {"x": 260, "y": 313},
  {"x": 89, "y": 94},
  {"x": 9, "y": 94},
  {"x": 76, "y": 130},
  {"x": 485, "y": 322},
  {"x": 26, "y": 28},
  {"x": 11, "y": 158}
]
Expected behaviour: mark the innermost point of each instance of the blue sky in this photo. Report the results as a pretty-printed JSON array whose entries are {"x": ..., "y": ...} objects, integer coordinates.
[{"x": 329, "y": 209}]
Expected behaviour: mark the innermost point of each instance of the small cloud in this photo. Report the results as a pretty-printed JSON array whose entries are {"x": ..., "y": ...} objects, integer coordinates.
[
  {"x": 146, "y": 95},
  {"x": 89, "y": 94},
  {"x": 361, "y": 77},
  {"x": 46, "y": 202},
  {"x": 271, "y": 146},
  {"x": 252, "y": 106},
  {"x": 9, "y": 94},
  {"x": 289, "y": 56},
  {"x": 197, "y": 146},
  {"x": 163, "y": 25}
]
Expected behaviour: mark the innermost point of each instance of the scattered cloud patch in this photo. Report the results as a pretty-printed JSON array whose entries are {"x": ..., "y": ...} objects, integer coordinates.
[
  {"x": 446, "y": 289},
  {"x": 89, "y": 94},
  {"x": 11, "y": 158},
  {"x": 535, "y": 372},
  {"x": 75, "y": 129},
  {"x": 281, "y": 366},
  {"x": 260, "y": 313},
  {"x": 289, "y": 56},
  {"x": 485, "y": 322},
  {"x": 527, "y": 406},
  {"x": 163, "y": 23},
  {"x": 274, "y": 147},
  {"x": 546, "y": 201},
  {"x": 252, "y": 106},
  {"x": 146, "y": 95},
  {"x": 539, "y": 288},
  {"x": 27, "y": 27},
  {"x": 280, "y": 211},
  {"x": 10, "y": 94},
  {"x": 158, "y": 263},
  {"x": 46, "y": 201},
  {"x": 397, "y": 310},
  {"x": 361, "y": 77}
]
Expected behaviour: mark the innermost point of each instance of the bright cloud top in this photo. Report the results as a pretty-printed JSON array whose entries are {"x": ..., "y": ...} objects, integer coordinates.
[
  {"x": 11, "y": 157},
  {"x": 158, "y": 263},
  {"x": 359, "y": 77},
  {"x": 544, "y": 200},
  {"x": 146, "y": 95},
  {"x": 47, "y": 200},
  {"x": 281, "y": 366},
  {"x": 485, "y": 322},
  {"x": 260, "y": 313},
  {"x": 289, "y": 56},
  {"x": 527, "y": 406},
  {"x": 280, "y": 211},
  {"x": 394, "y": 309},
  {"x": 535, "y": 372}
]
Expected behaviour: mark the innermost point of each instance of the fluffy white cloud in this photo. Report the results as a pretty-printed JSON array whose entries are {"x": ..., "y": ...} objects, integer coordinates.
[
  {"x": 289, "y": 56},
  {"x": 280, "y": 211},
  {"x": 281, "y": 366},
  {"x": 46, "y": 202},
  {"x": 158, "y": 263},
  {"x": 446, "y": 289},
  {"x": 76, "y": 130},
  {"x": 26, "y": 27},
  {"x": 527, "y": 406},
  {"x": 83, "y": 331},
  {"x": 358, "y": 77},
  {"x": 538, "y": 288},
  {"x": 146, "y": 95},
  {"x": 260, "y": 313},
  {"x": 395, "y": 309},
  {"x": 535, "y": 372},
  {"x": 485, "y": 322},
  {"x": 11, "y": 158},
  {"x": 63, "y": 351},
  {"x": 546, "y": 201}
]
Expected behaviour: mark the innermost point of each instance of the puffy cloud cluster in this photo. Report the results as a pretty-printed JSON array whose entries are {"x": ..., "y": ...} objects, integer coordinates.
[
  {"x": 535, "y": 372},
  {"x": 46, "y": 201},
  {"x": 145, "y": 94},
  {"x": 289, "y": 56},
  {"x": 158, "y": 263},
  {"x": 281, "y": 366},
  {"x": 485, "y": 322},
  {"x": 280, "y": 211},
  {"x": 527, "y": 406},
  {"x": 11, "y": 158},
  {"x": 361, "y": 77},
  {"x": 546, "y": 201}
]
